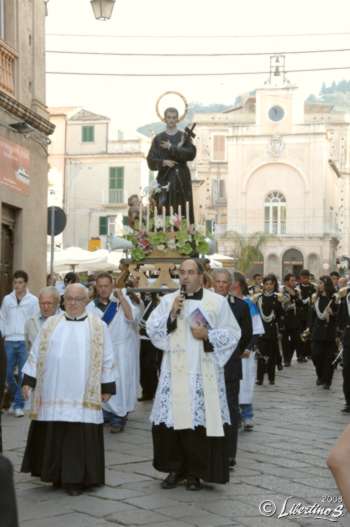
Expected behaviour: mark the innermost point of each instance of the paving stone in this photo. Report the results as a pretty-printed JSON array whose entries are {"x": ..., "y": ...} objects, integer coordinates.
[
  {"x": 66, "y": 520},
  {"x": 153, "y": 501},
  {"x": 137, "y": 517},
  {"x": 296, "y": 424},
  {"x": 99, "y": 507}
]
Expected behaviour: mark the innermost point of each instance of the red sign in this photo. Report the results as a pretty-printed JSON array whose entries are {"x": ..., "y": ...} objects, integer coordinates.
[{"x": 14, "y": 166}]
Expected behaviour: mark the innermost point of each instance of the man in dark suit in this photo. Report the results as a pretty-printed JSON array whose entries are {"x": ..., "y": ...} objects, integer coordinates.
[{"x": 233, "y": 368}]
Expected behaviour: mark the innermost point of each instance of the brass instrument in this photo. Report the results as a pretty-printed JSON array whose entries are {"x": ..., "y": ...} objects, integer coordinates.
[{"x": 305, "y": 335}]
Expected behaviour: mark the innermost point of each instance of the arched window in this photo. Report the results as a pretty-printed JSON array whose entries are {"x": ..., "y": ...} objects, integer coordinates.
[{"x": 275, "y": 213}]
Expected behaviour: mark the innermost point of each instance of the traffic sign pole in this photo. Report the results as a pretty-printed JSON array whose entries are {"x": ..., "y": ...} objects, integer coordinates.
[{"x": 52, "y": 240}]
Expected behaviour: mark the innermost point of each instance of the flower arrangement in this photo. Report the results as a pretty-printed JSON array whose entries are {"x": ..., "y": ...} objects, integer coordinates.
[{"x": 167, "y": 235}]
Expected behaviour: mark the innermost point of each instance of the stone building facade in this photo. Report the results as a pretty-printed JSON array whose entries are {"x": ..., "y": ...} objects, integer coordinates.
[
  {"x": 276, "y": 165},
  {"x": 24, "y": 130},
  {"x": 91, "y": 176}
]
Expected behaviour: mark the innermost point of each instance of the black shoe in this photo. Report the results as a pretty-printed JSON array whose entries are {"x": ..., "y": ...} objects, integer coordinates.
[
  {"x": 145, "y": 398},
  {"x": 56, "y": 485},
  {"x": 326, "y": 386},
  {"x": 319, "y": 382},
  {"x": 259, "y": 383},
  {"x": 193, "y": 483},
  {"x": 346, "y": 409},
  {"x": 272, "y": 382},
  {"x": 279, "y": 367},
  {"x": 74, "y": 490},
  {"x": 286, "y": 364},
  {"x": 171, "y": 481},
  {"x": 231, "y": 463}
]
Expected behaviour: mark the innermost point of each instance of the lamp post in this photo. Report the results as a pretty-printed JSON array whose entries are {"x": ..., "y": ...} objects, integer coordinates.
[{"x": 102, "y": 9}]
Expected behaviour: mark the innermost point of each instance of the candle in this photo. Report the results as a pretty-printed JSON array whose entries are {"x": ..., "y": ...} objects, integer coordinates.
[
  {"x": 140, "y": 216},
  {"x": 164, "y": 220},
  {"x": 147, "y": 218},
  {"x": 179, "y": 213},
  {"x": 187, "y": 213},
  {"x": 172, "y": 216}
]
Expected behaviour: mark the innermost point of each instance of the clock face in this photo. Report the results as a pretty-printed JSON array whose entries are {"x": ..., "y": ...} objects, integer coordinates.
[{"x": 276, "y": 113}]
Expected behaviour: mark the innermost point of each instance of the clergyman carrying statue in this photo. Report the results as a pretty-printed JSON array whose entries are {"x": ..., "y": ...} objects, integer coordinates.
[{"x": 169, "y": 153}]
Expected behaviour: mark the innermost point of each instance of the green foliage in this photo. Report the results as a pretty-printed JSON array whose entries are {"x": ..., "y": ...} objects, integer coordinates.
[
  {"x": 248, "y": 248},
  {"x": 157, "y": 238},
  {"x": 185, "y": 248},
  {"x": 138, "y": 254}
]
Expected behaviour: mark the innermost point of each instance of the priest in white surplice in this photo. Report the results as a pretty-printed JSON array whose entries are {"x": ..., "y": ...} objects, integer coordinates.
[
  {"x": 122, "y": 316},
  {"x": 198, "y": 334},
  {"x": 70, "y": 370}
]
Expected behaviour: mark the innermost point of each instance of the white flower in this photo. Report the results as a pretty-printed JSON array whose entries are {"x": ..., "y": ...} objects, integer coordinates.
[
  {"x": 171, "y": 244},
  {"x": 161, "y": 247},
  {"x": 159, "y": 222}
]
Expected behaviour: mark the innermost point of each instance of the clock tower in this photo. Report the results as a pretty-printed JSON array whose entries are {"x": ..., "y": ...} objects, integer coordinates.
[{"x": 278, "y": 105}]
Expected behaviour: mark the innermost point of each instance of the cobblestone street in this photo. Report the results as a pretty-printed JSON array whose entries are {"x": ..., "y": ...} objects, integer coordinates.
[{"x": 296, "y": 424}]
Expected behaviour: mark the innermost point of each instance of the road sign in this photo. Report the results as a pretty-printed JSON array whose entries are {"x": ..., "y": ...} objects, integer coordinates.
[{"x": 56, "y": 221}]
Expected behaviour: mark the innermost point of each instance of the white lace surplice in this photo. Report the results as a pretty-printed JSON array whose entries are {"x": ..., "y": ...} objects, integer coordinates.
[{"x": 224, "y": 337}]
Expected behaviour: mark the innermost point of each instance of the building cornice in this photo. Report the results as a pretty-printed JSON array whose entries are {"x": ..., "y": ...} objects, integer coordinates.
[{"x": 19, "y": 110}]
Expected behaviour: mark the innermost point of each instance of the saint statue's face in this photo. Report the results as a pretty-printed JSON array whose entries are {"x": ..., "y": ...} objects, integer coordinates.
[
  {"x": 171, "y": 119},
  {"x": 190, "y": 277}
]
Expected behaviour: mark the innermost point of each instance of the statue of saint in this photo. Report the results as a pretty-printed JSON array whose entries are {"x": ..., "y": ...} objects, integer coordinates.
[{"x": 169, "y": 153}]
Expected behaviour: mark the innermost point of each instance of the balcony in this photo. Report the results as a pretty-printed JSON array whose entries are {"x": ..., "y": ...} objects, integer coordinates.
[{"x": 7, "y": 68}]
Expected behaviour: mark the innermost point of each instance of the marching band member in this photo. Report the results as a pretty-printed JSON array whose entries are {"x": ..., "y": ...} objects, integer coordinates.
[
  {"x": 344, "y": 326},
  {"x": 306, "y": 289},
  {"x": 323, "y": 331},
  {"x": 271, "y": 312},
  {"x": 292, "y": 303}
]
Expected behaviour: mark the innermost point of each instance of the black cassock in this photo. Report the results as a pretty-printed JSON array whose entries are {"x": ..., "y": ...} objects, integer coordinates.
[{"x": 179, "y": 177}]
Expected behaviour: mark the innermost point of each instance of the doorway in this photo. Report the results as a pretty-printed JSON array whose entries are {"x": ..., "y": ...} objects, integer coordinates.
[{"x": 8, "y": 220}]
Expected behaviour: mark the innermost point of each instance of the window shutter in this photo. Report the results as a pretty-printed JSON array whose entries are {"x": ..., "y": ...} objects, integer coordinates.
[
  {"x": 103, "y": 227},
  {"x": 88, "y": 134}
]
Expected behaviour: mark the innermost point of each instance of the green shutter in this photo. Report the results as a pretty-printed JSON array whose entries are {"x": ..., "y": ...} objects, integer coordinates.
[
  {"x": 116, "y": 178},
  {"x": 209, "y": 226},
  {"x": 103, "y": 227},
  {"x": 88, "y": 134}
]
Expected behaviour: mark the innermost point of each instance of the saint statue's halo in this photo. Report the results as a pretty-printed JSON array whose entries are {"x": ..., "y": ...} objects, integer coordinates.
[{"x": 171, "y": 95}]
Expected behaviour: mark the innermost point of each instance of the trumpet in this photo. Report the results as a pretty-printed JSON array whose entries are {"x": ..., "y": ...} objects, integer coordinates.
[
  {"x": 305, "y": 335},
  {"x": 343, "y": 291}
]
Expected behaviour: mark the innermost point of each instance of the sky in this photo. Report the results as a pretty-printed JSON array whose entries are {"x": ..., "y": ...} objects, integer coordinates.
[{"x": 187, "y": 26}]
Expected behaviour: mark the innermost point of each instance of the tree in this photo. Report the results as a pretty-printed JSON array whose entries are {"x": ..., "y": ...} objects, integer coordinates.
[{"x": 248, "y": 248}]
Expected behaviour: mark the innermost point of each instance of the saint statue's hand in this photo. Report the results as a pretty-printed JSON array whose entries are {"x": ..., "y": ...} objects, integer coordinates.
[
  {"x": 165, "y": 144},
  {"x": 200, "y": 332},
  {"x": 106, "y": 397},
  {"x": 26, "y": 392},
  {"x": 245, "y": 354},
  {"x": 169, "y": 163}
]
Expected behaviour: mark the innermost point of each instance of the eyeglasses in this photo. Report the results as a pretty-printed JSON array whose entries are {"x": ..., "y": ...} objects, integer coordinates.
[{"x": 78, "y": 300}]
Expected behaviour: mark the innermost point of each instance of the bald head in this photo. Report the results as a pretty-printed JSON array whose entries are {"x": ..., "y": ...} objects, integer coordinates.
[{"x": 191, "y": 275}]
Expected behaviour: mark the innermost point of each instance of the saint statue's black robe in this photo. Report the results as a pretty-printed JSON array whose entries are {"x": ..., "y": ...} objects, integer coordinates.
[{"x": 178, "y": 178}]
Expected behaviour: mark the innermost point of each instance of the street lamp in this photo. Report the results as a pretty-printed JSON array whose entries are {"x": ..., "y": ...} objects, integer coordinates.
[{"x": 102, "y": 9}]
